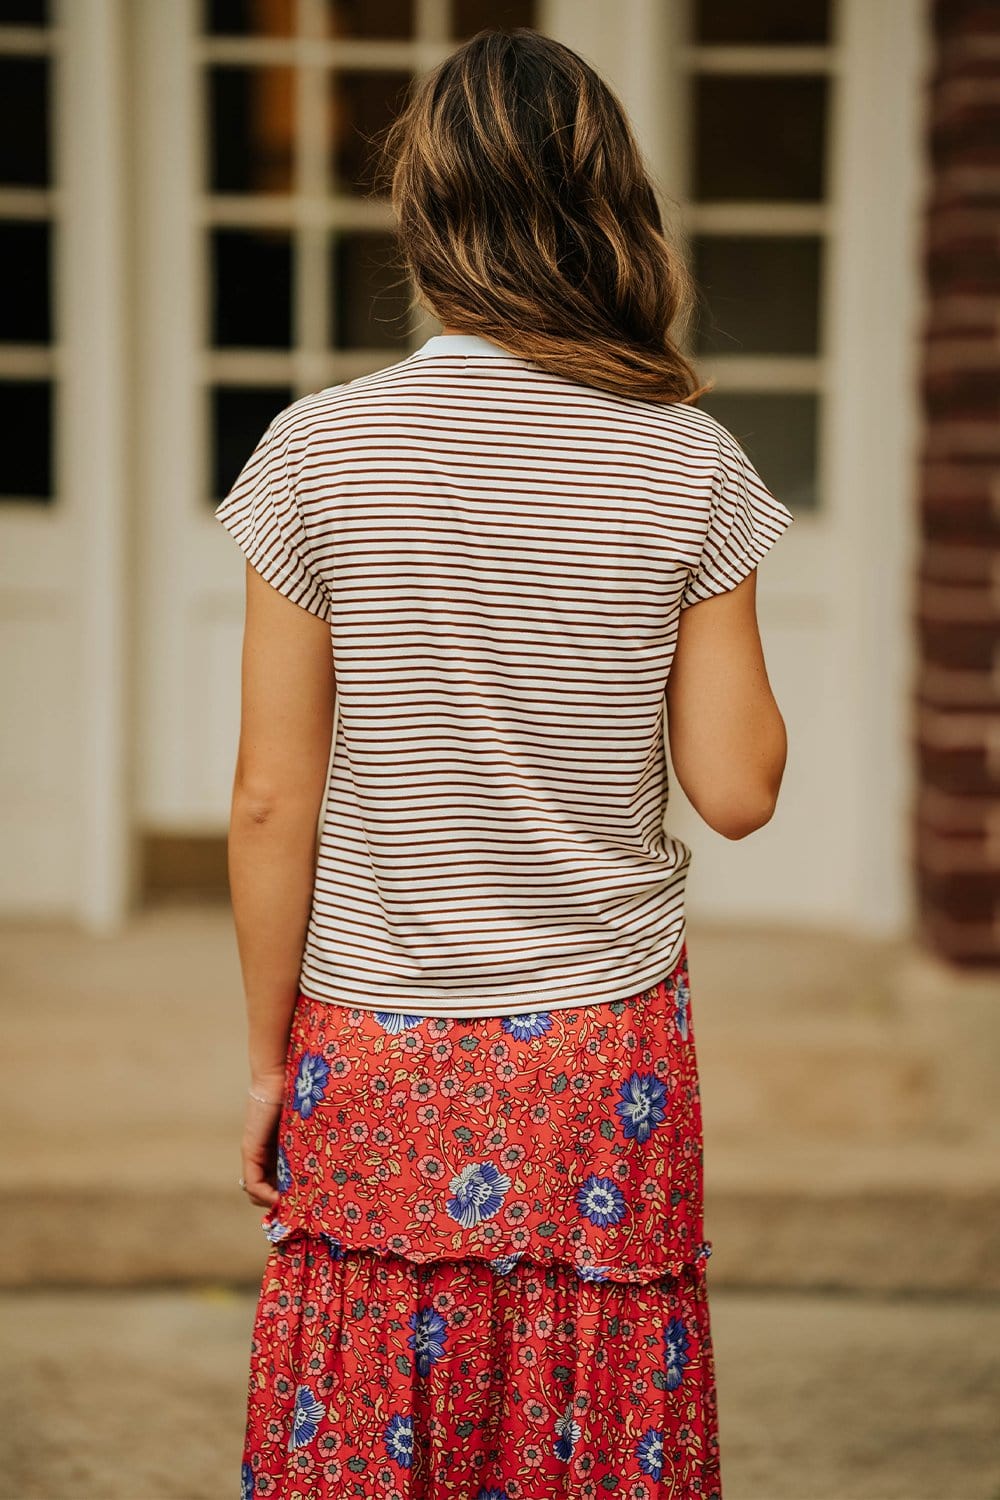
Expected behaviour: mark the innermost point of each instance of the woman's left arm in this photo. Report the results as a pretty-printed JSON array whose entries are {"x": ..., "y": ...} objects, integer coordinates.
[{"x": 288, "y": 693}]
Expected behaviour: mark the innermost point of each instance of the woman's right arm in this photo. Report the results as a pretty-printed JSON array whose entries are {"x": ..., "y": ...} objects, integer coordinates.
[{"x": 728, "y": 743}]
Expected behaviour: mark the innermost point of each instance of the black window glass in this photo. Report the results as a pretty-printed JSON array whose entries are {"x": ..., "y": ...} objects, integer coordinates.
[
  {"x": 760, "y": 294},
  {"x": 251, "y": 288},
  {"x": 239, "y": 416},
  {"x": 371, "y": 293},
  {"x": 26, "y": 454},
  {"x": 24, "y": 121},
  {"x": 778, "y": 430},
  {"x": 252, "y": 129},
  {"x": 24, "y": 13},
  {"x": 25, "y": 310},
  {"x": 362, "y": 104},
  {"x": 470, "y": 16},
  {"x": 250, "y": 17},
  {"x": 388, "y": 18},
  {"x": 762, "y": 23},
  {"x": 759, "y": 137}
]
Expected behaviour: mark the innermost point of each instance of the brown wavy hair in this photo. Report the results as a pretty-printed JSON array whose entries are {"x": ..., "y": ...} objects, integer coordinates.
[{"x": 525, "y": 215}]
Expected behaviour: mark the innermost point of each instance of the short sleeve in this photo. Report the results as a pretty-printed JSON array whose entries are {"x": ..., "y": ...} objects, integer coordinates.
[
  {"x": 745, "y": 521},
  {"x": 261, "y": 514}
]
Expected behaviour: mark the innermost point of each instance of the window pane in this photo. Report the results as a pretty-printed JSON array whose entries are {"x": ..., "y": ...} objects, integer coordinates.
[
  {"x": 239, "y": 418},
  {"x": 760, "y": 137},
  {"x": 389, "y": 18},
  {"x": 778, "y": 431},
  {"x": 252, "y": 113},
  {"x": 470, "y": 16},
  {"x": 24, "y": 13},
  {"x": 361, "y": 105},
  {"x": 26, "y": 460},
  {"x": 760, "y": 294},
  {"x": 371, "y": 293},
  {"x": 720, "y": 22},
  {"x": 25, "y": 316},
  {"x": 252, "y": 288},
  {"x": 249, "y": 17},
  {"x": 24, "y": 121}
]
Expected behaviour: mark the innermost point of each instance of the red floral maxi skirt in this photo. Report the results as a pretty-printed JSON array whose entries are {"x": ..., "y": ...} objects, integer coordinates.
[{"x": 486, "y": 1275}]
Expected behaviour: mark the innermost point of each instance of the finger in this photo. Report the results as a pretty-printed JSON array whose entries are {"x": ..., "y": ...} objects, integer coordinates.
[
  {"x": 258, "y": 1172},
  {"x": 259, "y": 1165},
  {"x": 258, "y": 1189},
  {"x": 261, "y": 1195},
  {"x": 259, "y": 1202}
]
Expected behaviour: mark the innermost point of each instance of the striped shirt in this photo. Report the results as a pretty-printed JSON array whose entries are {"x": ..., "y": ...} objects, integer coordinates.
[{"x": 502, "y": 555}]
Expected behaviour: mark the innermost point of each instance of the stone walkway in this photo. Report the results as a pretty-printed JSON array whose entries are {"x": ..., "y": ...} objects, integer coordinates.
[{"x": 124, "y": 1395}]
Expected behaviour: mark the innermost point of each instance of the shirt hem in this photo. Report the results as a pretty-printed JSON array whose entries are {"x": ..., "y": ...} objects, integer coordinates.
[{"x": 634, "y": 980}]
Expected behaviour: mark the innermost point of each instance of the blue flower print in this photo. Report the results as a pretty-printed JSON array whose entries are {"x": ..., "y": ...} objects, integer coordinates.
[
  {"x": 398, "y": 1440},
  {"x": 567, "y": 1433},
  {"x": 641, "y": 1106},
  {"x": 600, "y": 1201},
  {"x": 246, "y": 1482},
  {"x": 284, "y": 1175},
  {"x": 682, "y": 996},
  {"x": 332, "y": 1243},
  {"x": 428, "y": 1337},
  {"x": 504, "y": 1264},
  {"x": 675, "y": 1348},
  {"x": 310, "y": 1082},
  {"x": 592, "y": 1273},
  {"x": 306, "y": 1417},
  {"x": 393, "y": 1023},
  {"x": 275, "y": 1231},
  {"x": 492, "y": 1495},
  {"x": 478, "y": 1193},
  {"x": 530, "y": 1023},
  {"x": 650, "y": 1453}
]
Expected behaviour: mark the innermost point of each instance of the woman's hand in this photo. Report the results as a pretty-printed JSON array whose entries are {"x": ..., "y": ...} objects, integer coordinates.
[{"x": 260, "y": 1141}]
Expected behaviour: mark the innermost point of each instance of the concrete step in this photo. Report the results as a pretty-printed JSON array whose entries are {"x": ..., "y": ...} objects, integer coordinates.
[{"x": 808, "y": 1235}]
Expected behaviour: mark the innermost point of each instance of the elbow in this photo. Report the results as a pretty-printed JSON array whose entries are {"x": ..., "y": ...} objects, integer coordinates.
[
  {"x": 742, "y": 815},
  {"x": 261, "y": 804},
  {"x": 740, "y": 824},
  {"x": 254, "y": 803},
  {"x": 757, "y": 800},
  {"x": 251, "y": 812},
  {"x": 737, "y": 783}
]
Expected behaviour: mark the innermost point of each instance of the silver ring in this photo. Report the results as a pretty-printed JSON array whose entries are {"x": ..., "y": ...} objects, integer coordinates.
[{"x": 243, "y": 1182}]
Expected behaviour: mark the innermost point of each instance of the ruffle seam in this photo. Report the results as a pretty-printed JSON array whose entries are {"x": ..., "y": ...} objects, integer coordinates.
[{"x": 280, "y": 1235}]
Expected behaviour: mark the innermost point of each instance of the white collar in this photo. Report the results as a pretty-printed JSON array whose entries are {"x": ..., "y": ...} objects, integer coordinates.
[{"x": 461, "y": 343}]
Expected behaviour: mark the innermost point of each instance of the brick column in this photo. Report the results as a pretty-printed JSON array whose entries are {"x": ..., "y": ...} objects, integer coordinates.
[{"x": 957, "y": 844}]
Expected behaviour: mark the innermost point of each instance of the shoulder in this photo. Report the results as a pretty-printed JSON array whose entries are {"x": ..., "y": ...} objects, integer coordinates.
[
  {"x": 685, "y": 449},
  {"x": 700, "y": 427},
  {"x": 322, "y": 411}
]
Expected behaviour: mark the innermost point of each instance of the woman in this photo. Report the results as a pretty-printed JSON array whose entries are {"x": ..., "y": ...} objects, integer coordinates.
[{"x": 474, "y": 1118}]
